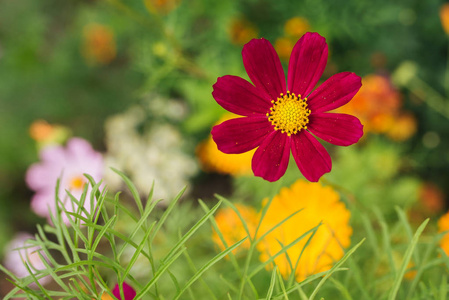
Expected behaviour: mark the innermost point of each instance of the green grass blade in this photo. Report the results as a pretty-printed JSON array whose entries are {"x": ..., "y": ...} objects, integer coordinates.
[
  {"x": 406, "y": 260},
  {"x": 132, "y": 188},
  {"x": 204, "y": 268},
  {"x": 192, "y": 230},
  {"x": 159, "y": 273},
  {"x": 336, "y": 266},
  {"x": 272, "y": 283},
  {"x": 167, "y": 213},
  {"x": 282, "y": 251},
  {"x": 138, "y": 250}
]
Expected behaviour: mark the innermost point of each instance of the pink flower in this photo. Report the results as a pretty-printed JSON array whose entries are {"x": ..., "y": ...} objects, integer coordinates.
[
  {"x": 128, "y": 292},
  {"x": 277, "y": 119},
  {"x": 19, "y": 253},
  {"x": 68, "y": 164}
]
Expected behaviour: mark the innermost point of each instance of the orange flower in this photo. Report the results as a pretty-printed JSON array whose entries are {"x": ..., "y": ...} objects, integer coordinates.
[
  {"x": 444, "y": 17},
  {"x": 161, "y": 6},
  {"x": 47, "y": 134},
  {"x": 105, "y": 296},
  {"x": 296, "y": 27},
  {"x": 99, "y": 44},
  {"x": 241, "y": 31},
  {"x": 443, "y": 225},
  {"x": 376, "y": 104},
  {"x": 213, "y": 160},
  {"x": 403, "y": 127},
  {"x": 40, "y": 130},
  {"x": 432, "y": 197},
  {"x": 317, "y": 204},
  {"x": 231, "y": 226}
]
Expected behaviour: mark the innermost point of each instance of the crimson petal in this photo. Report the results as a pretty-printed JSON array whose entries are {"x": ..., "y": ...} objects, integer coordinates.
[
  {"x": 334, "y": 92},
  {"x": 337, "y": 129},
  {"x": 241, "y": 134},
  {"x": 264, "y": 67},
  {"x": 307, "y": 63},
  {"x": 270, "y": 160},
  {"x": 238, "y": 96},
  {"x": 310, "y": 156}
]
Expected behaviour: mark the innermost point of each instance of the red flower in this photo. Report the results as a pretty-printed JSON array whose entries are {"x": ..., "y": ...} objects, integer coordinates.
[
  {"x": 277, "y": 119},
  {"x": 128, "y": 291}
]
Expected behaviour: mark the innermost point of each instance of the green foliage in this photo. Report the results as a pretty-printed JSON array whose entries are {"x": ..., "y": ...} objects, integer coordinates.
[
  {"x": 167, "y": 253},
  {"x": 114, "y": 243}
]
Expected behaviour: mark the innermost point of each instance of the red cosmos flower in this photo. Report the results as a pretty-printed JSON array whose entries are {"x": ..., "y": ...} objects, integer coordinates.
[{"x": 277, "y": 119}]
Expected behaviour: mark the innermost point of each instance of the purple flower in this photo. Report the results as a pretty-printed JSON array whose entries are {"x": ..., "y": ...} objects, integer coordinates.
[
  {"x": 277, "y": 119},
  {"x": 68, "y": 164},
  {"x": 128, "y": 292},
  {"x": 19, "y": 253}
]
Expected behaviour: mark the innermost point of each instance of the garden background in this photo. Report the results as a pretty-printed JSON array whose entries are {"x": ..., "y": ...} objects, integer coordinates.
[{"x": 134, "y": 78}]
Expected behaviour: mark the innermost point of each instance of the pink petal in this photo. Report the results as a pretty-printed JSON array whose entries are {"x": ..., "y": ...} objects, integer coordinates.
[
  {"x": 271, "y": 158},
  {"x": 43, "y": 201},
  {"x": 264, "y": 67},
  {"x": 241, "y": 134},
  {"x": 42, "y": 176},
  {"x": 334, "y": 92},
  {"x": 53, "y": 154},
  {"x": 307, "y": 63},
  {"x": 238, "y": 96},
  {"x": 337, "y": 129},
  {"x": 310, "y": 156},
  {"x": 128, "y": 292}
]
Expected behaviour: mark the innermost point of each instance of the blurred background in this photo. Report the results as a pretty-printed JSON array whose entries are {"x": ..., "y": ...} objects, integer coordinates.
[{"x": 134, "y": 78}]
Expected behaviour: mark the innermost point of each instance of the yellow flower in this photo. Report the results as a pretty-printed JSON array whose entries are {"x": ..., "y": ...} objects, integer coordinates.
[
  {"x": 161, "y": 6},
  {"x": 231, "y": 226},
  {"x": 411, "y": 272},
  {"x": 99, "y": 44},
  {"x": 241, "y": 31},
  {"x": 444, "y": 17},
  {"x": 213, "y": 160},
  {"x": 317, "y": 203},
  {"x": 284, "y": 47},
  {"x": 443, "y": 225},
  {"x": 296, "y": 27}
]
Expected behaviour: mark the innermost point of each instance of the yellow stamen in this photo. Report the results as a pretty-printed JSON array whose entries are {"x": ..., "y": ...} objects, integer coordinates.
[
  {"x": 289, "y": 113},
  {"x": 77, "y": 183}
]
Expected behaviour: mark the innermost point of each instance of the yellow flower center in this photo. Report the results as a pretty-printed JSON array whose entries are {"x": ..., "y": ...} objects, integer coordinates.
[
  {"x": 289, "y": 113},
  {"x": 77, "y": 183}
]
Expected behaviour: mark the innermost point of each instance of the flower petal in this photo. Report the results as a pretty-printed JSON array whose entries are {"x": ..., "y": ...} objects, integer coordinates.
[
  {"x": 307, "y": 63},
  {"x": 270, "y": 160},
  {"x": 128, "y": 292},
  {"x": 337, "y": 129},
  {"x": 238, "y": 96},
  {"x": 334, "y": 92},
  {"x": 264, "y": 67},
  {"x": 241, "y": 134},
  {"x": 310, "y": 156}
]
